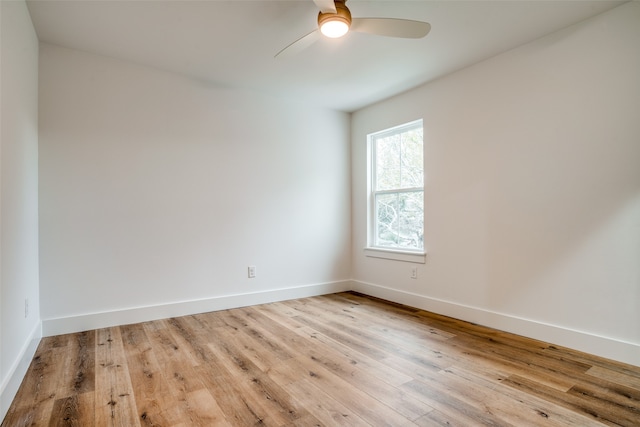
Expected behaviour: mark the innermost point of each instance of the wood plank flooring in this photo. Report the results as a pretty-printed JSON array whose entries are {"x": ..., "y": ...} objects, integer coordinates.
[{"x": 336, "y": 360}]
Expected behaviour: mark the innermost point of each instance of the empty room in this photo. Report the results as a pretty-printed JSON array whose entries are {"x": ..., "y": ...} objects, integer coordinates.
[{"x": 319, "y": 213}]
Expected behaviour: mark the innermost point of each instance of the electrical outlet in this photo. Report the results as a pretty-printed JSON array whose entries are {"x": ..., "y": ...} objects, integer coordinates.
[
  {"x": 252, "y": 271},
  {"x": 414, "y": 272},
  {"x": 26, "y": 308}
]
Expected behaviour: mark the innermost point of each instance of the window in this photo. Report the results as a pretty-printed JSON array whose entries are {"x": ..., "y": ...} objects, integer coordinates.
[{"x": 396, "y": 209}]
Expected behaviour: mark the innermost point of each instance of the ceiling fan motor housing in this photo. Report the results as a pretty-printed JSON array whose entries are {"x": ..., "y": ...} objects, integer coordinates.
[{"x": 342, "y": 14}]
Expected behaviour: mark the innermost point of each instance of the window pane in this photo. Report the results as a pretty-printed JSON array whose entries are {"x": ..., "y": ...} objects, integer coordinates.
[
  {"x": 399, "y": 160},
  {"x": 400, "y": 222}
]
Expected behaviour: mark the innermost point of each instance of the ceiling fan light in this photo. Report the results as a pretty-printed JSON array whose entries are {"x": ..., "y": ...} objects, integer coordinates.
[
  {"x": 335, "y": 24},
  {"x": 334, "y": 28}
]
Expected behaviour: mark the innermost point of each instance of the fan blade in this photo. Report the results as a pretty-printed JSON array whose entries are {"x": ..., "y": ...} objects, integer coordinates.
[
  {"x": 391, "y": 27},
  {"x": 299, "y": 45},
  {"x": 326, "y": 6}
]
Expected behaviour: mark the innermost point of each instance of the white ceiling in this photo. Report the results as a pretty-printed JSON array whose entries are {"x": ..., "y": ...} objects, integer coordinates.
[{"x": 233, "y": 43}]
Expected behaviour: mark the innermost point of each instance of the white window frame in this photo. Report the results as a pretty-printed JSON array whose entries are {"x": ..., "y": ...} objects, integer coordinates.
[{"x": 371, "y": 250}]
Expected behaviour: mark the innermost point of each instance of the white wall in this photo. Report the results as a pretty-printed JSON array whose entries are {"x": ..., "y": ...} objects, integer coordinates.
[
  {"x": 157, "y": 190},
  {"x": 532, "y": 190},
  {"x": 19, "y": 334}
]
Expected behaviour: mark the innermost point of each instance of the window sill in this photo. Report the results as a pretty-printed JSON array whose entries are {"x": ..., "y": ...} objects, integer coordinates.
[{"x": 397, "y": 255}]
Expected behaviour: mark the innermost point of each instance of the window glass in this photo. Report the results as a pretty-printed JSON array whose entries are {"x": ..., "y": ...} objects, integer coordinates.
[{"x": 398, "y": 188}]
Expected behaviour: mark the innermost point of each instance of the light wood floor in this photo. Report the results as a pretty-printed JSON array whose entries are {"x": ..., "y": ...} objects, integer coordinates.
[{"x": 343, "y": 359}]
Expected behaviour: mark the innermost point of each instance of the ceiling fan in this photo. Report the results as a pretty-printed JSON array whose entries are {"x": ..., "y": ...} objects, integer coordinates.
[{"x": 334, "y": 20}]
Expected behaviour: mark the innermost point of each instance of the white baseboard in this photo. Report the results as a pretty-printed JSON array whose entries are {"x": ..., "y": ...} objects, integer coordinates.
[
  {"x": 11, "y": 383},
  {"x": 84, "y": 322},
  {"x": 609, "y": 348}
]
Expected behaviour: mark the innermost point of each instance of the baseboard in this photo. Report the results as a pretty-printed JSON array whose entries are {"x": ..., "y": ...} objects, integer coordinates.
[
  {"x": 609, "y": 348},
  {"x": 84, "y": 322},
  {"x": 11, "y": 383}
]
